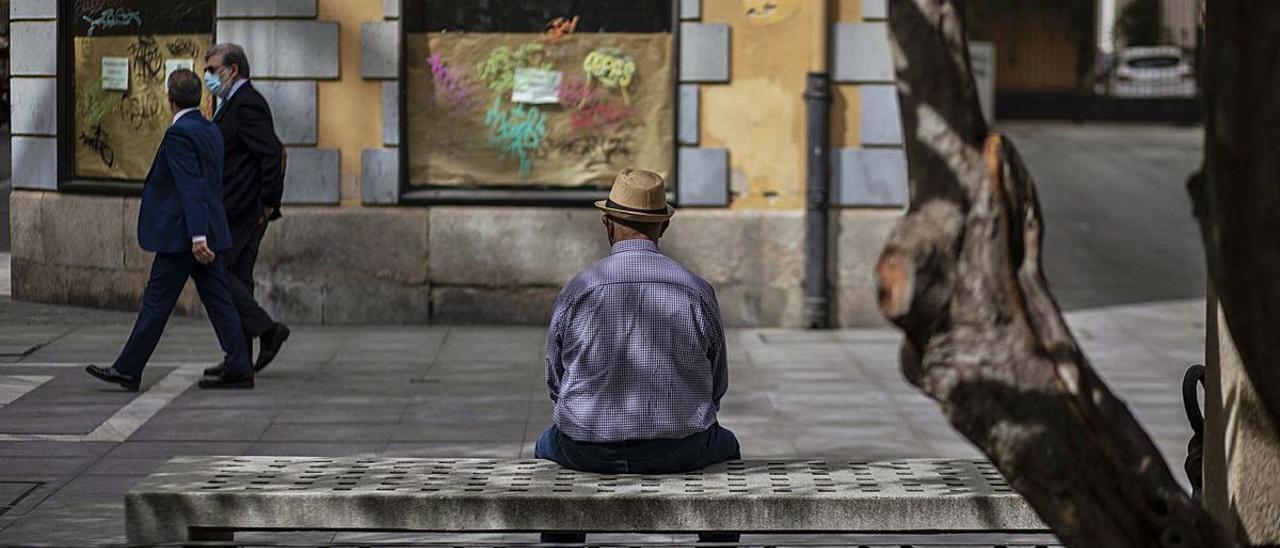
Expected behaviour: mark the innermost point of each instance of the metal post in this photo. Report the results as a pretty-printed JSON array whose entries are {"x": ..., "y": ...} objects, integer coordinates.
[{"x": 817, "y": 98}]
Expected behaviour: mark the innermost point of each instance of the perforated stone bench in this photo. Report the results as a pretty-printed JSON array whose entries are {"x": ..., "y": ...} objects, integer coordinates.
[{"x": 210, "y": 498}]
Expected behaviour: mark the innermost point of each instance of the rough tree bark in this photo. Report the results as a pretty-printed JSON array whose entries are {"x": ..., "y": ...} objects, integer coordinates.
[
  {"x": 961, "y": 276},
  {"x": 1237, "y": 192}
]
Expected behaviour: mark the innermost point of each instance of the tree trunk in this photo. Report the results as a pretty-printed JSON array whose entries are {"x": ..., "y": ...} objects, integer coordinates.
[{"x": 961, "y": 276}]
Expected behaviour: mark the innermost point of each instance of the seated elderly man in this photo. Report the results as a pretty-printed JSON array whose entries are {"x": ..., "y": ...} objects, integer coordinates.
[{"x": 636, "y": 362}]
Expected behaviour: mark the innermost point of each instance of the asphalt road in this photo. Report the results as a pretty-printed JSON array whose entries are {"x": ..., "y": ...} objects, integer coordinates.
[{"x": 1119, "y": 228}]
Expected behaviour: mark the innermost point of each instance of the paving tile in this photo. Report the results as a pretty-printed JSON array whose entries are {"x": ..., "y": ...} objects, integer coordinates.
[
  {"x": 461, "y": 430},
  {"x": 55, "y": 449},
  {"x": 114, "y": 466},
  {"x": 316, "y": 449},
  {"x": 374, "y": 413},
  {"x": 42, "y": 467},
  {"x": 167, "y": 449},
  {"x": 88, "y": 523},
  {"x": 110, "y": 487},
  {"x": 227, "y": 399},
  {"x": 445, "y": 449},
  {"x": 160, "y": 429},
  {"x": 344, "y": 433},
  {"x": 72, "y": 402}
]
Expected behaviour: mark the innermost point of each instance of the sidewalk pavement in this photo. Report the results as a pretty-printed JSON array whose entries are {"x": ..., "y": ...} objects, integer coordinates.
[
  {"x": 71, "y": 446},
  {"x": 4, "y": 275}
]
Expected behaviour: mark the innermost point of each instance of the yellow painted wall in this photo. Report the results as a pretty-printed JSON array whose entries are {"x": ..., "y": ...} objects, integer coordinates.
[
  {"x": 349, "y": 117},
  {"x": 760, "y": 114},
  {"x": 847, "y": 10},
  {"x": 844, "y": 97}
]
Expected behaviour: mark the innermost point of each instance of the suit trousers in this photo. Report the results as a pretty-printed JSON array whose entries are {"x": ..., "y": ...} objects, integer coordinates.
[
  {"x": 241, "y": 260},
  {"x": 169, "y": 273}
]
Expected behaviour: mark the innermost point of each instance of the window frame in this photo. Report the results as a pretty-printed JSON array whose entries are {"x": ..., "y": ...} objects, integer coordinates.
[
  {"x": 65, "y": 99},
  {"x": 503, "y": 195}
]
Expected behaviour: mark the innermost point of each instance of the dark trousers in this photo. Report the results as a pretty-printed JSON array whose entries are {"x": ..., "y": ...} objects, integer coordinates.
[
  {"x": 716, "y": 444},
  {"x": 169, "y": 273},
  {"x": 241, "y": 259}
]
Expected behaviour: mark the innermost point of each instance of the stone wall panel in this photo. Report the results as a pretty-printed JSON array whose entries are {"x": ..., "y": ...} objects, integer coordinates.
[
  {"x": 482, "y": 305},
  {"x": 506, "y": 247},
  {"x": 861, "y": 237},
  {"x": 322, "y": 244}
]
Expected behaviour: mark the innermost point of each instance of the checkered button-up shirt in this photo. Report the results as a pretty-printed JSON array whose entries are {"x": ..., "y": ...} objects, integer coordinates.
[{"x": 636, "y": 349}]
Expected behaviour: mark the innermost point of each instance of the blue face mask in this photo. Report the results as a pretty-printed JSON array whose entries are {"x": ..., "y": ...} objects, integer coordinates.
[{"x": 214, "y": 83}]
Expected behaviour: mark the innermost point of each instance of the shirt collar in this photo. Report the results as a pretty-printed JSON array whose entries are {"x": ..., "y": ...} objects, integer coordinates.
[
  {"x": 182, "y": 113},
  {"x": 635, "y": 245},
  {"x": 235, "y": 86}
]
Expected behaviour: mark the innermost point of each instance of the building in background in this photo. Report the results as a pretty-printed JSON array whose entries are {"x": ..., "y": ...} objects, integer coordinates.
[
  {"x": 441, "y": 159},
  {"x": 1179, "y": 22},
  {"x": 1058, "y": 59}
]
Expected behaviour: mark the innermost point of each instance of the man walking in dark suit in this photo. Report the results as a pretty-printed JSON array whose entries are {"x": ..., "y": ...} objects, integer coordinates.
[
  {"x": 182, "y": 220},
  {"x": 252, "y": 183}
]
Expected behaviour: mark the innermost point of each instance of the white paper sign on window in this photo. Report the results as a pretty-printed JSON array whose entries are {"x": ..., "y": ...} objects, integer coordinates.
[
  {"x": 115, "y": 73},
  {"x": 536, "y": 86},
  {"x": 171, "y": 65}
]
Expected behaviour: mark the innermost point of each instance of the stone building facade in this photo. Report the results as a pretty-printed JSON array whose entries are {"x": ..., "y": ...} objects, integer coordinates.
[{"x": 354, "y": 247}]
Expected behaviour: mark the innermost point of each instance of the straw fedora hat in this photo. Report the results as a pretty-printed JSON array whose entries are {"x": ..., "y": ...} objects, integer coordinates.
[{"x": 638, "y": 195}]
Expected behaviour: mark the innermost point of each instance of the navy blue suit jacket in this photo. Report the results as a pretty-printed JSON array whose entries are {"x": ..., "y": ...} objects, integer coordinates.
[{"x": 182, "y": 197}]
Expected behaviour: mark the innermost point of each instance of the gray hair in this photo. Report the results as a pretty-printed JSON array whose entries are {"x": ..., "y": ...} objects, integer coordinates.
[{"x": 232, "y": 54}]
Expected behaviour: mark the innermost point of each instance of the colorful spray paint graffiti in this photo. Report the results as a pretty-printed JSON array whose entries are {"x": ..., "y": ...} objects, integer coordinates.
[
  {"x": 559, "y": 29},
  {"x": 576, "y": 92},
  {"x": 112, "y": 18},
  {"x": 590, "y": 109},
  {"x": 612, "y": 68},
  {"x": 95, "y": 105},
  {"x": 452, "y": 91},
  {"x": 518, "y": 130},
  {"x": 593, "y": 96},
  {"x": 499, "y": 70},
  {"x": 606, "y": 115}
]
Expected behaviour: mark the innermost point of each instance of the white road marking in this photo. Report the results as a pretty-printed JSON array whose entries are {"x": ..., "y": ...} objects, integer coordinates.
[{"x": 125, "y": 421}]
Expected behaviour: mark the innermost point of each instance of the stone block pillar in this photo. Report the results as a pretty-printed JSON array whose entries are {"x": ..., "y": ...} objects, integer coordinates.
[{"x": 1241, "y": 445}]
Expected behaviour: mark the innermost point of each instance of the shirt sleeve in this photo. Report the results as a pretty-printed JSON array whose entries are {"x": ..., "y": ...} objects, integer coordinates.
[
  {"x": 555, "y": 338},
  {"x": 718, "y": 350}
]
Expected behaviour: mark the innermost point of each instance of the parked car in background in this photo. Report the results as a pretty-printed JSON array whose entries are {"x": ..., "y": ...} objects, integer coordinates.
[{"x": 1156, "y": 72}]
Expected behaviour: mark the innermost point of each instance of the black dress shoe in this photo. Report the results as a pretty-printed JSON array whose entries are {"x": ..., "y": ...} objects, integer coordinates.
[
  {"x": 216, "y": 371},
  {"x": 228, "y": 380},
  {"x": 272, "y": 340},
  {"x": 109, "y": 374}
]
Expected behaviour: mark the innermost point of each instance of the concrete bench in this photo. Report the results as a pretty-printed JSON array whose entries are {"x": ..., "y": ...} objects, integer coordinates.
[{"x": 210, "y": 498}]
